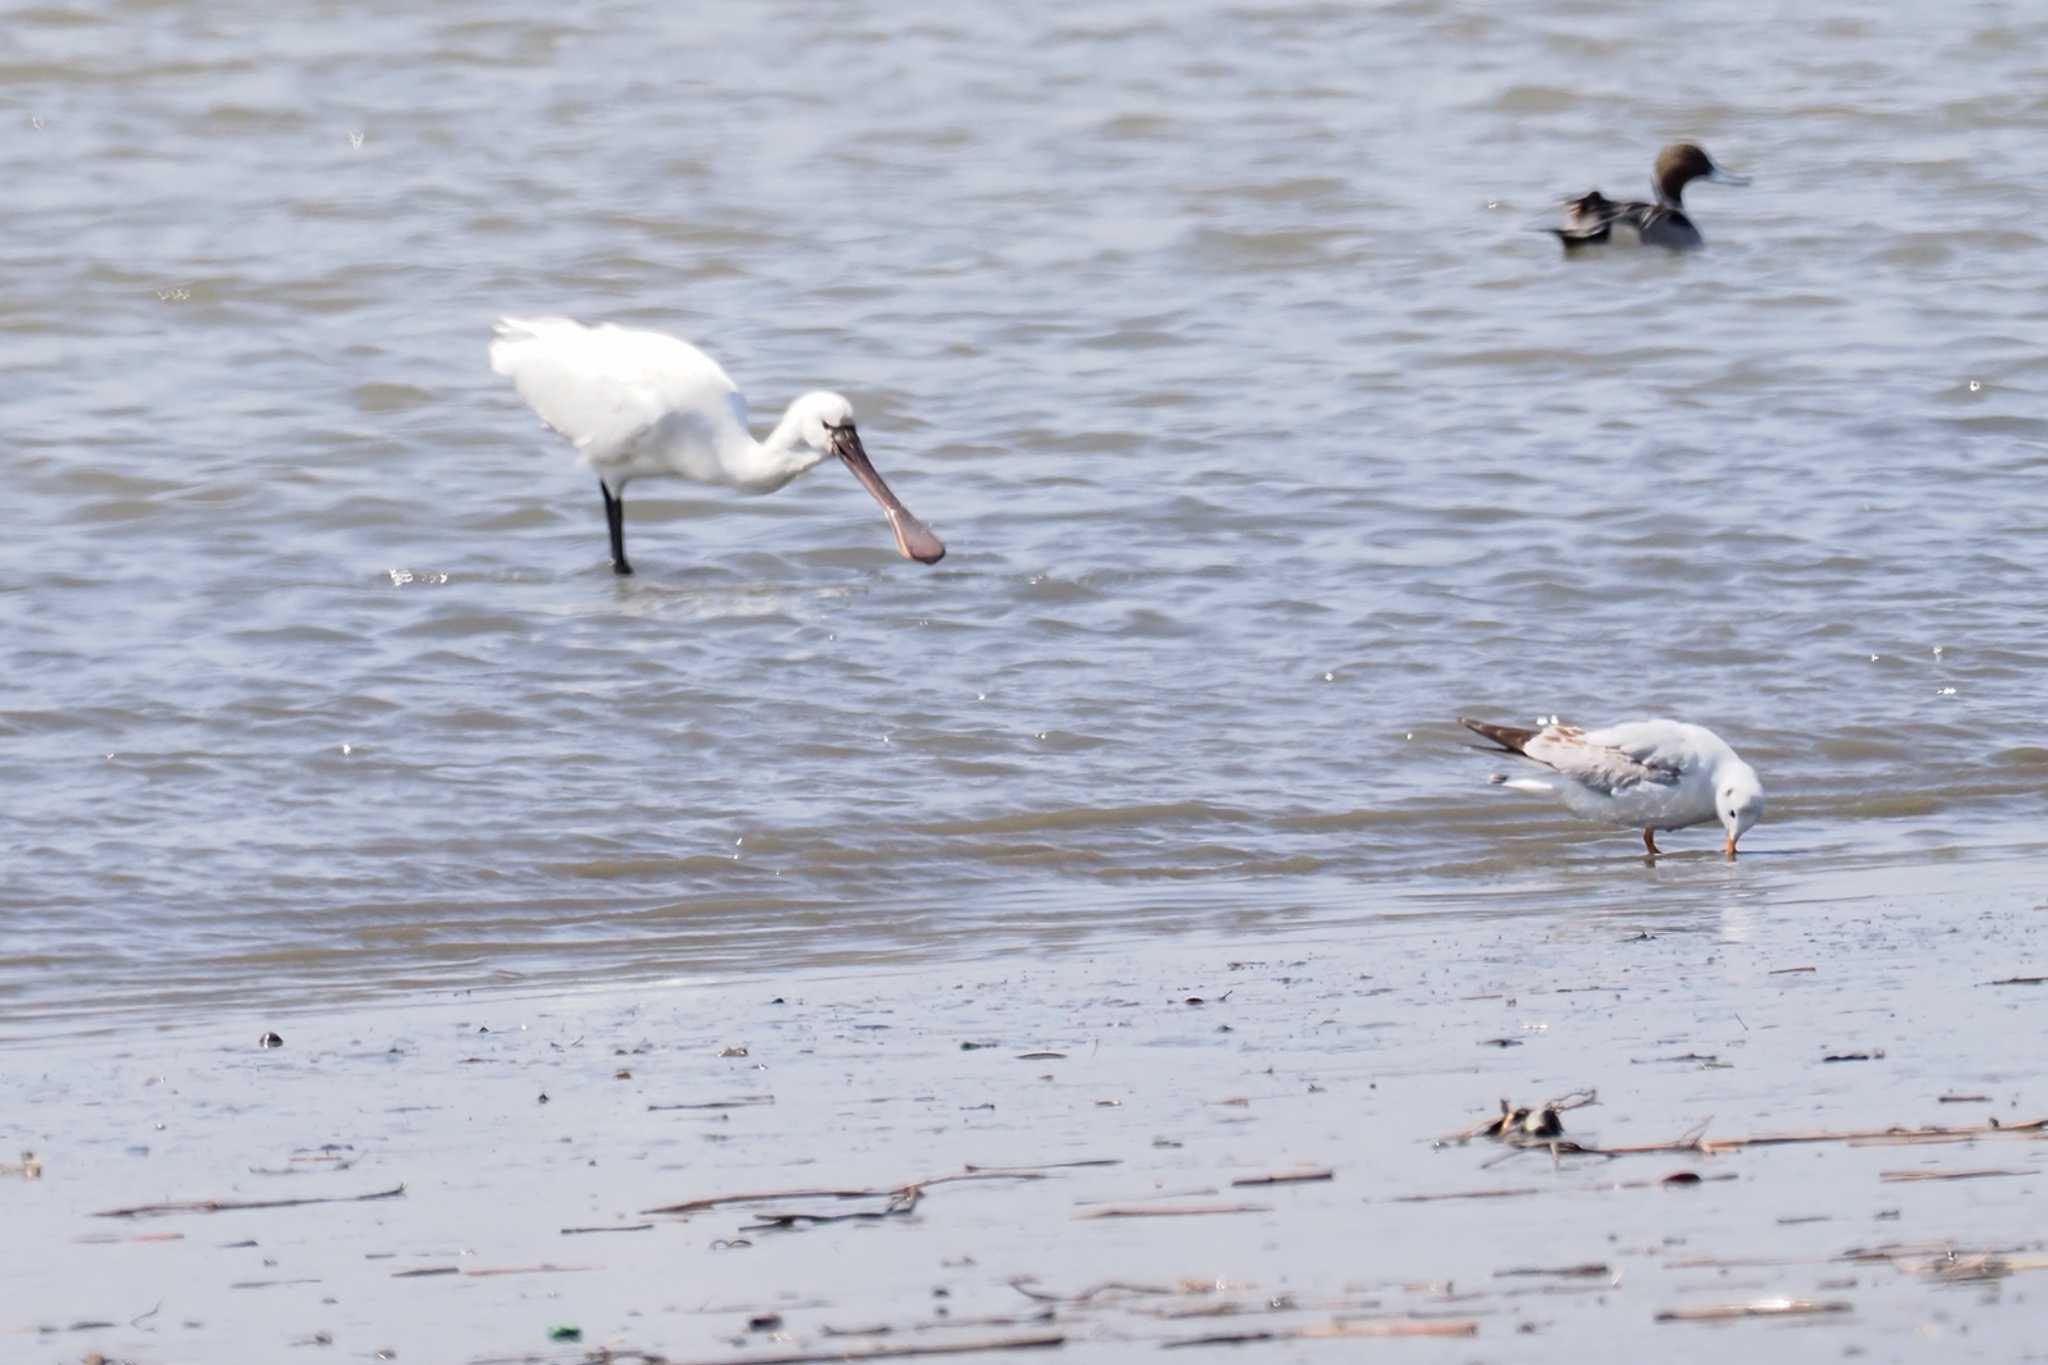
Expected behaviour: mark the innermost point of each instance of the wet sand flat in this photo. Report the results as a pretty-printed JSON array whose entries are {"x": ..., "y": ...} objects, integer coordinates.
[{"x": 1230, "y": 1146}]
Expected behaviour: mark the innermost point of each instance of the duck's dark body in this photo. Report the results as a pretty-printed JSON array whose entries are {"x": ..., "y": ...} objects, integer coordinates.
[{"x": 1593, "y": 219}]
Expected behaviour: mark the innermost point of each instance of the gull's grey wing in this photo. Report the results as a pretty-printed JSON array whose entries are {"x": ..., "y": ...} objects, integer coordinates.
[{"x": 1604, "y": 768}]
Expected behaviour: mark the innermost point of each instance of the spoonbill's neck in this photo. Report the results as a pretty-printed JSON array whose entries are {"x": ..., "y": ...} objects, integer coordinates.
[{"x": 764, "y": 466}]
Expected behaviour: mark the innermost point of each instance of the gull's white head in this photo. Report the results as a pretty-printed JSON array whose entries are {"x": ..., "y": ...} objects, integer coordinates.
[
  {"x": 1738, "y": 800},
  {"x": 824, "y": 422}
]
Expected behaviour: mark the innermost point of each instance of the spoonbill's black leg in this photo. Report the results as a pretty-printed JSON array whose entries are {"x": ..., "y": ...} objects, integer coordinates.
[{"x": 615, "y": 522}]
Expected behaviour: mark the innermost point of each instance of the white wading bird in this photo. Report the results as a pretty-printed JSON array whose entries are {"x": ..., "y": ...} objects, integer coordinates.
[
  {"x": 639, "y": 404},
  {"x": 1646, "y": 774}
]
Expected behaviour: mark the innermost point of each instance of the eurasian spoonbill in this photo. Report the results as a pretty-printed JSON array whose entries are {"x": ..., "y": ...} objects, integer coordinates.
[{"x": 639, "y": 404}]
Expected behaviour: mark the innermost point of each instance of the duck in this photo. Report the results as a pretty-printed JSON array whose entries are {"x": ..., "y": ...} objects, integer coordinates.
[
  {"x": 1650, "y": 775},
  {"x": 1593, "y": 219}
]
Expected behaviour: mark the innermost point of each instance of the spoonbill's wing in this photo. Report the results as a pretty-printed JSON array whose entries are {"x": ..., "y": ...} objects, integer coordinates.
[
  {"x": 605, "y": 388},
  {"x": 1608, "y": 761}
]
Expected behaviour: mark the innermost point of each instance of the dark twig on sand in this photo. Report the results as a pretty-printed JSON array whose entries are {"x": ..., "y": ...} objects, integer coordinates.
[
  {"x": 486, "y": 1272},
  {"x": 1022, "y": 1284},
  {"x": 1375, "y": 1327},
  {"x": 1039, "y": 1318},
  {"x": 1465, "y": 1194},
  {"x": 742, "y": 1102},
  {"x": 1697, "y": 1142},
  {"x": 235, "y": 1205},
  {"x": 1951, "y": 1267},
  {"x": 901, "y": 1205},
  {"x": 1762, "y": 1308},
  {"x": 765, "y": 1196},
  {"x": 896, "y": 1192},
  {"x": 1170, "y": 1210},
  {"x": 1047, "y": 1166},
  {"x": 1287, "y": 1177},
  {"x": 901, "y": 1351}
]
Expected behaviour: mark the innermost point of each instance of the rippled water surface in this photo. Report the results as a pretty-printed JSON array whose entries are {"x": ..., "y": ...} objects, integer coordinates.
[{"x": 1266, "y": 434}]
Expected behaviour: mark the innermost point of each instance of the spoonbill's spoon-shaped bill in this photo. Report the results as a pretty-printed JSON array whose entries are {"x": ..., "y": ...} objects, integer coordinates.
[{"x": 639, "y": 404}]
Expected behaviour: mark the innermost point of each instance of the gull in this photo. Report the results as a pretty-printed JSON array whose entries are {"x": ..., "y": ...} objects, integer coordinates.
[
  {"x": 1645, "y": 774},
  {"x": 638, "y": 404}
]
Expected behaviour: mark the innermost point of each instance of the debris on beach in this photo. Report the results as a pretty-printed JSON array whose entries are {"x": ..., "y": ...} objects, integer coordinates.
[
  {"x": 1307, "y": 1175},
  {"x": 897, "y": 1201},
  {"x": 1760, "y": 1308},
  {"x": 235, "y": 1205},
  {"x": 1521, "y": 1124},
  {"x": 1541, "y": 1127}
]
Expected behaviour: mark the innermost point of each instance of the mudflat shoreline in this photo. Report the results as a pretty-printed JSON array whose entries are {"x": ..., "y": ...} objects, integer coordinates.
[{"x": 1242, "y": 1150}]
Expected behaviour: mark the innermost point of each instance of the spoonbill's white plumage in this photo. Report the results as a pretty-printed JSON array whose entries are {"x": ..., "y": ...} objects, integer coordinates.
[
  {"x": 1646, "y": 774},
  {"x": 639, "y": 404}
]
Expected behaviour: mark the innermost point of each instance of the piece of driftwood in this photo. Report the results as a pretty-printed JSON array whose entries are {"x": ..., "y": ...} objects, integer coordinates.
[
  {"x": 623, "y": 1227},
  {"x": 1899, "y": 1177},
  {"x": 1761, "y": 1308},
  {"x": 236, "y": 1205},
  {"x": 895, "y": 1351},
  {"x": 886, "y": 1329},
  {"x": 1170, "y": 1210},
  {"x": 334, "y": 1164},
  {"x": 972, "y": 1169},
  {"x": 1952, "y": 1268},
  {"x": 487, "y": 1272},
  {"x": 1022, "y": 1284},
  {"x": 1287, "y": 1177},
  {"x": 742, "y": 1102},
  {"x": 1371, "y": 1327},
  {"x": 1465, "y": 1194},
  {"x": 1587, "y": 1271},
  {"x": 901, "y": 1205},
  {"x": 895, "y": 1192},
  {"x": 1696, "y": 1141}
]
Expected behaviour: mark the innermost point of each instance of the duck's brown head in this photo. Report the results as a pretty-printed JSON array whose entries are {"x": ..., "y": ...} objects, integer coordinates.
[{"x": 1684, "y": 162}]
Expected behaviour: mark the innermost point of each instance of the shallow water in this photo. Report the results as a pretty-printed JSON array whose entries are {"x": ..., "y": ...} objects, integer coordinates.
[{"x": 1265, "y": 433}]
